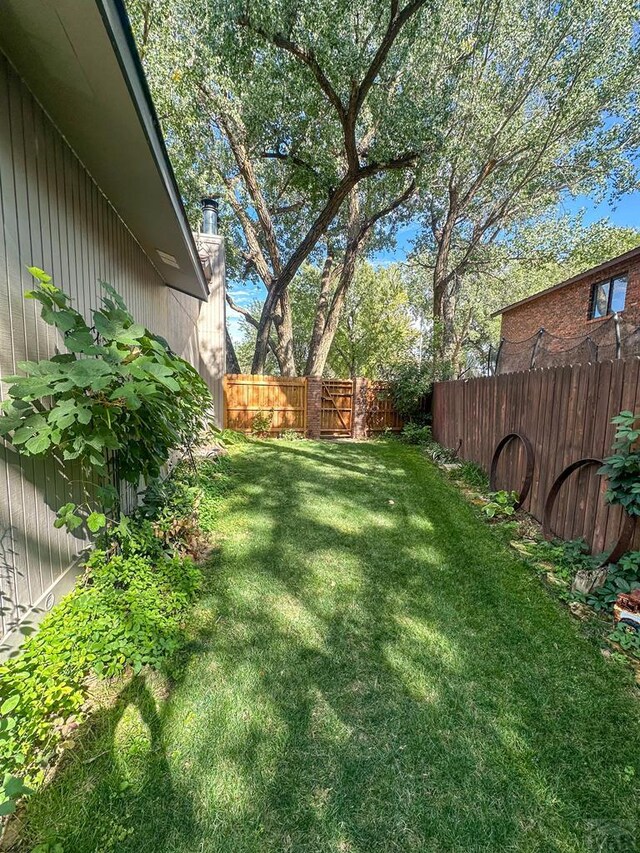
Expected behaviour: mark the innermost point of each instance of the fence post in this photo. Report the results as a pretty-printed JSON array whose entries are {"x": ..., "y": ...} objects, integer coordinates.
[
  {"x": 314, "y": 406},
  {"x": 534, "y": 350},
  {"x": 616, "y": 321},
  {"x": 360, "y": 395}
]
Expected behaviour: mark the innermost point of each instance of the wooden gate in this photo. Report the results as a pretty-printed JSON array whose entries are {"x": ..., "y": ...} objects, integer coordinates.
[{"x": 336, "y": 418}]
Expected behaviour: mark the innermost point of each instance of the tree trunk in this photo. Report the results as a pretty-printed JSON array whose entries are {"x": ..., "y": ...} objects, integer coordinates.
[
  {"x": 320, "y": 319},
  {"x": 284, "y": 328},
  {"x": 232, "y": 364}
]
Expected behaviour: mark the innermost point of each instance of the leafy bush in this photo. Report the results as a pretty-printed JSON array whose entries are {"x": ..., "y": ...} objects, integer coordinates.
[
  {"x": 261, "y": 424},
  {"x": 118, "y": 390},
  {"x": 501, "y": 504},
  {"x": 127, "y": 611},
  {"x": 622, "y": 577},
  {"x": 414, "y": 433},
  {"x": 410, "y": 383},
  {"x": 622, "y": 468}
]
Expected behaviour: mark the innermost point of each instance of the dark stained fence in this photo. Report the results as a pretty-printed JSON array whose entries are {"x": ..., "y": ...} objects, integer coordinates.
[
  {"x": 565, "y": 413},
  {"x": 380, "y": 413}
]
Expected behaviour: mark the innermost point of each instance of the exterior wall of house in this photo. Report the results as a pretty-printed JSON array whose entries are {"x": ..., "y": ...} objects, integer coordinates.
[
  {"x": 52, "y": 215},
  {"x": 565, "y": 312}
]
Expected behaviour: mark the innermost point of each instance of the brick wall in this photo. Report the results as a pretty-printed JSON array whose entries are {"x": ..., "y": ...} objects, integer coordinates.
[
  {"x": 314, "y": 406},
  {"x": 565, "y": 312}
]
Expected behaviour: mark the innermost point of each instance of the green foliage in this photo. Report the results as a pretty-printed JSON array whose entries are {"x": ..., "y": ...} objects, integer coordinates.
[
  {"x": 118, "y": 389},
  {"x": 566, "y": 556},
  {"x": 413, "y": 433},
  {"x": 627, "y": 638},
  {"x": 262, "y": 422},
  {"x": 472, "y": 475},
  {"x": 622, "y": 577},
  {"x": 409, "y": 384},
  {"x": 501, "y": 504},
  {"x": 622, "y": 468},
  {"x": 127, "y": 611}
]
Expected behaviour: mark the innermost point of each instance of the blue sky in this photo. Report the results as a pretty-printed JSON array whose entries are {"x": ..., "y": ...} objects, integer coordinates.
[{"x": 625, "y": 212}]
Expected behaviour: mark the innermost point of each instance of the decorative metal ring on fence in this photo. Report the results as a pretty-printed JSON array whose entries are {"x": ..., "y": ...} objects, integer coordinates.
[
  {"x": 528, "y": 476},
  {"x": 628, "y": 528}
]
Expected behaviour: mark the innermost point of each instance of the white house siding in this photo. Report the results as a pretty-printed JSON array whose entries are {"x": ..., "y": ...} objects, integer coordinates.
[{"x": 52, "y": 215}]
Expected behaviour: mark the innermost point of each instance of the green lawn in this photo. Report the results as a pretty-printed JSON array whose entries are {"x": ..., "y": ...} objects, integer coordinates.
[{"x": 371, "y": 670}]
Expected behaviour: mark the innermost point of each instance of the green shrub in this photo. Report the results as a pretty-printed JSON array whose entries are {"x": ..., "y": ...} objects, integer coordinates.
[
  {"x": 291, "y": 435},
  {"x": 627, "y": 638},
  {"x": 413, "y": 433},
  {"x": 262, "y": 422},
  {"x": 410, "y": 383},
  {"x": 566, "y": 557},
  {"x": 119, "y": 389},
  {"x": 439, "y": 454}
]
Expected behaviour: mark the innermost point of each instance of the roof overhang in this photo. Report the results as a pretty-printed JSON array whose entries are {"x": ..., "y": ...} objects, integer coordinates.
[
  {"x": 80, "y": 61},
  {"x": 625, "y": 258}
]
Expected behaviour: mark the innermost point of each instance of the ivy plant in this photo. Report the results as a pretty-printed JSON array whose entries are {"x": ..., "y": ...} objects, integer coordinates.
[
  {"x": 118, "y": 390},
  {"x": 622, "y": 468}
]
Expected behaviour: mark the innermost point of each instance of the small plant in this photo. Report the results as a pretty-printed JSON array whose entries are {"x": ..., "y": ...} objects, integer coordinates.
[
  {"x": 291, "y": 435},
  {"x": 262, "y": 423},
  {"x": 622, "y": 468},
  {"x": 11, "y": 787},
  {"x": 473, "y": 476},
  {"x": 627, "y": 638},
  {"x": 127, "y": 611},
  {"x": 622, "y": 577},
  {"x": 441, "y": 455},
  {"x": 566, "y": 557},
  {"x": 413, "y": 433},
  {"x": 501, "y": 504}
]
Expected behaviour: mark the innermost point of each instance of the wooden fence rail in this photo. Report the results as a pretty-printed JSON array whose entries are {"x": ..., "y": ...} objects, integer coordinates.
[
  {"x": 564, "y": 414},
  {"x": 319, "y": 408}
]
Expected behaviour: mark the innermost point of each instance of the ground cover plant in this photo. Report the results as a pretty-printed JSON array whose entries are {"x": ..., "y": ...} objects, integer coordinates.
[
  {"x": 126, "y": 612},
  {"x": 369, "y": 670}
]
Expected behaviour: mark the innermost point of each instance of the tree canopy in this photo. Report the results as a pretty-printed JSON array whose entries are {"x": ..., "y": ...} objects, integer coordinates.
[{"x": 324, "y": 124}]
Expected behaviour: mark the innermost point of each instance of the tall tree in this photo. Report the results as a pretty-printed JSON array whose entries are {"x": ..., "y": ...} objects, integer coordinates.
[
  {"x": 290, "y": 109},
  {"x": 537, "y": 255},
  {"x": 545, "y": 106}
]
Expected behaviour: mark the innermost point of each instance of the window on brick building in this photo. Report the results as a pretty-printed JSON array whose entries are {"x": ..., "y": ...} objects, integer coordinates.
[{"x": 608, "y": 297}]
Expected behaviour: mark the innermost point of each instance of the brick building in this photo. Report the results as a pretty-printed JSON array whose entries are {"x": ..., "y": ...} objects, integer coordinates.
[{"x": 593, "y": 316}]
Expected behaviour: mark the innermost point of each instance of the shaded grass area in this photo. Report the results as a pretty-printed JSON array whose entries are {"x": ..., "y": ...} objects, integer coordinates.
[{"x": 363, "y": 676}]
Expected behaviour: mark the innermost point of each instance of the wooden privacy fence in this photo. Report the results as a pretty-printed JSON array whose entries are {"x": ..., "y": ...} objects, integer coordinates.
[
  {"x": 246, "y": 395},
  {"x": 558, "y": 417},
  {"x": 319, "y": 408}
]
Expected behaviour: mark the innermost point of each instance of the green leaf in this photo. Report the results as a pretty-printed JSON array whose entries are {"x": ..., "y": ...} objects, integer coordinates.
[
  {"x": 72, "y": 522},
  {"x": 38, "y": 444},
  {"x": 96, "y": 521},
  {"x": 7, "y": 807},
  {"x": 39, "y": 274},
  {"x": 9, "y": 704}
]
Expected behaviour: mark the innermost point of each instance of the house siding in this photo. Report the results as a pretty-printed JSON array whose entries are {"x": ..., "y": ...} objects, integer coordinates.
[{"x": 52, "y": 215}]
